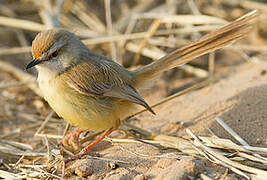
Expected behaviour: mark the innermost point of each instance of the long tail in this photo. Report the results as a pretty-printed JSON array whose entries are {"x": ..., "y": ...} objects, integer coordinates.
[{"x": 208, "y": 43}]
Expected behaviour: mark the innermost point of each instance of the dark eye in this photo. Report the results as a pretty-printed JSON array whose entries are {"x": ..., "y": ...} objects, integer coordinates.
[{"x": 54, "y": 54}]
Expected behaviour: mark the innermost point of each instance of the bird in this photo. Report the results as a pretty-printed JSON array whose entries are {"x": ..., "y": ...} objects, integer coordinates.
[{"x": 93, "y": 92}]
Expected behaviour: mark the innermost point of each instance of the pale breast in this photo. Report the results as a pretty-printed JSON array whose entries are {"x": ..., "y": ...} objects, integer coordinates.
[
  {"x": 49, "y": 88},
  {"x": 79, "y": 110}
]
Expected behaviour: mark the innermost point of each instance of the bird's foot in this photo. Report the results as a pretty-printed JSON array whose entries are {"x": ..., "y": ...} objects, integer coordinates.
[
  {"x": 71, "y": 142},
  {"x": 86, "y": 150}
]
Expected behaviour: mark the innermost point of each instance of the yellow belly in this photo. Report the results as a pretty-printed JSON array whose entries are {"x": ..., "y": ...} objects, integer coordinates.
[{"x": 87, "y": 112}]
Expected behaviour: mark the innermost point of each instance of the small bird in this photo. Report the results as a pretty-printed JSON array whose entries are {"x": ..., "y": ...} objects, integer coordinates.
[{"x": 95, "y": 93}]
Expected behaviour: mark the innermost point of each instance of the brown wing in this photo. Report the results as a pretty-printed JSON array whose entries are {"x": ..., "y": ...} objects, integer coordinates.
[{"x": 107, "y": 79}]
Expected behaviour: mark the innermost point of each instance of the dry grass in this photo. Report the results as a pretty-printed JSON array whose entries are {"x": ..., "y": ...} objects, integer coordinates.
[{"x": 131, "y": 33}]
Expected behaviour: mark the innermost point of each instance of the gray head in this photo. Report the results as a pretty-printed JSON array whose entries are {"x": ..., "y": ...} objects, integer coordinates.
[{"x": 56, "y": 49}]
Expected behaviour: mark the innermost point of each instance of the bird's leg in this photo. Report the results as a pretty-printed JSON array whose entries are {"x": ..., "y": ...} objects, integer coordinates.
[
  {"x": 71, "y": 141},
  {"x": 86, "y": 149}
]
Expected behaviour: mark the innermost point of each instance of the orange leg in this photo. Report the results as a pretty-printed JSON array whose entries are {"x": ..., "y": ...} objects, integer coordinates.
[
  {"x": 86, "y": 149},
  {"x": 71, "y": 138},
  {"x": 76, "y": 134}
]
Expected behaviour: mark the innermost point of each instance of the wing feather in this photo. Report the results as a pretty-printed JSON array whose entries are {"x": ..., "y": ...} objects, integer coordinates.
[{"x": 104, "y": 79}]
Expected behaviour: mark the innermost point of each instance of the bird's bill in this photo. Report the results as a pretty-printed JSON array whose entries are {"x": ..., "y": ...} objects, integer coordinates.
[{"x": 33, "y": 63}]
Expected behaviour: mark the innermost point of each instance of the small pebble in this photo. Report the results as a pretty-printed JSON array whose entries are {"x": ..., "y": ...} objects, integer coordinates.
[
  {"x": 112, "y": 165},
  {"x": 83, "y": 171},
  {"x": 258, "y": 141},
  {"x": 38, "y": 104},
  {"x": 263, "y": 72},
  {"x": 140, "y": 177}
]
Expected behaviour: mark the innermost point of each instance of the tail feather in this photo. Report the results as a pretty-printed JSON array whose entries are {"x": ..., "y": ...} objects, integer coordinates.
[{"x": 208, "y": 43}]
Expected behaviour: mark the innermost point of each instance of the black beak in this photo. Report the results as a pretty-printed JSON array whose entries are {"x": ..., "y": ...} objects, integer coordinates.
[{"x": 33, "y": 63}]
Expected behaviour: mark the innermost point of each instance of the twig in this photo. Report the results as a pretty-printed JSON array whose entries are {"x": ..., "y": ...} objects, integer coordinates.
[
  {"x": 21, "y": 75},
  {"x": 20, "y": 159},
  {"x": 253, "y": 5},
  {"x": 21, "y": 24},
  {"x": 225, "y": 160},
  {"x": 89, "y": 19},
  {"x": 13, "y": 84},
  {"x": 197, "y": 86},
  {"x": 252, "y": 158},
  {"x": 48, "y": 154},
  {"x": 258, "y": 149},
  {"x": 50, "y": 136},
  {"x": 20, "y": 34},
  {"x": 193, "y": 7},
  {"x": 211, "y": 157},
  {"x": 63, "y": 170},
  {"x": 9, "y": 175},
  {"x": 50, "y": 14},
  {"x": 17, "y": 152},
  {"x": 124, "y": 20},
  {"x": 29, "y": 165},
  {"x": 66, "y": 129},
  {"x": 46, "y": 173},
  {"x": 182, "y": 19},
  {"x": 44, "y": 123},
  {"x": 211, "y": 64},
  {"x": 16, "y": 144},
  {"x": 90, "y": 137},
  {"x": 157, "y": 54},
  {"x": 231, "y": 131},
  {"x": 15, "y": 50},
  {"x": 151, "y": 31},
  {"x": 109, "y": 28},
  {"x": 247, "y": 47},
  {"x": 15, "y": 131},
  {"x": 123, "y": 37}
]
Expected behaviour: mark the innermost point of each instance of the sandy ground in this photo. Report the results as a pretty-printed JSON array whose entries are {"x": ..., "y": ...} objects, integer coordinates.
[{"x": 238, "y": 98}]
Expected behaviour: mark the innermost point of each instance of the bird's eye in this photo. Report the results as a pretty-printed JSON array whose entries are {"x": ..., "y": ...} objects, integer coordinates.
[{"x": 54, "y": 54}]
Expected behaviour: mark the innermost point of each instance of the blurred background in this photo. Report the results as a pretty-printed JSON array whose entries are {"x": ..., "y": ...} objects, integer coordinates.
[{"x": 132, "y": 33}]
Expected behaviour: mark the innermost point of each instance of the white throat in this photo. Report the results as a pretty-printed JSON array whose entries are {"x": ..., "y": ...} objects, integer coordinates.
[
  {"x": 47, "y": 82},
  {"x": 45, "y": 75}
]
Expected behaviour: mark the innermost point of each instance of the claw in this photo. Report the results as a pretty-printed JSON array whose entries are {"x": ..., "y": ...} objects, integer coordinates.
[
  {"x": 86, "y": 150},
  {"x": 71, "y": 141}
]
